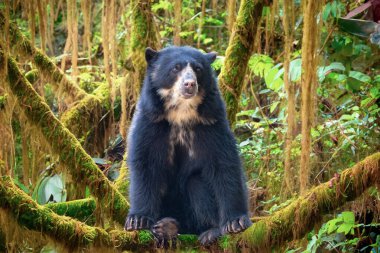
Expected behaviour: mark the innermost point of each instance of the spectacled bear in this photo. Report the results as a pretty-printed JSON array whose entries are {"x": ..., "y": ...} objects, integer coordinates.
[{"x": 185, "y": 170}]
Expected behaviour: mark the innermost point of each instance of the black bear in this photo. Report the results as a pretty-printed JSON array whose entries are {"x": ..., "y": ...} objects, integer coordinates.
[{"x": 185, "y": 170}]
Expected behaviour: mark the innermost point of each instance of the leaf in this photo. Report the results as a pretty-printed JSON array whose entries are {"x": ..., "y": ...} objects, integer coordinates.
[
  {"x": 244, "y": 143},
  {"x": 260, "y": 64},
  {"x": 272, "y": 79},
  {"x": 274, "y": 106},
  {"x": 331, "y": 225},
  {"x": 295, "y": 69},
  {"x": 326, "y": 12},
  {"x": 207, "y": 41},
  {"x": 360, "y": 76},
  {"x": 348, "y": 217},
  {"x": 345, "y": 228},
  {"x": 324, "y": 71},
  {"x": 347, "y": 117}
]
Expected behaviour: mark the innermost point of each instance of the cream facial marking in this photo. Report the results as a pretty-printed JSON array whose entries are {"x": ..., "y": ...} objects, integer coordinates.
[{"x": 181, "y": 102}]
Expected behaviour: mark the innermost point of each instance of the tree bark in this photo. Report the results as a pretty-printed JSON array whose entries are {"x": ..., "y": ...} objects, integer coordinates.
[
  {"x": 309, "y": 85},
  {"x": 288, "y": 22},
  {"x": 177, "y": 22},
  {"x": 231, "y": 15},
  {"x": 63, "y": 143},
  {"x": 239, "y": 51}
]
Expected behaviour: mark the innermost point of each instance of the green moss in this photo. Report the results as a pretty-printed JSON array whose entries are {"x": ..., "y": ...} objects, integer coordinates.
[
  {"x": 82, "y": 210},
  {"x": 237, "y": 54},
  {"x": 32, "y": 76},
  {"x": 3, "y": 101},
  {"x": 225, "y": 242},
  {"x": 145, "y": 237}
]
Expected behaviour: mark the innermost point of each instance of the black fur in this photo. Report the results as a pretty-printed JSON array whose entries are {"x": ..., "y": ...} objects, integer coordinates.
[{"x": 205, "y": 193}]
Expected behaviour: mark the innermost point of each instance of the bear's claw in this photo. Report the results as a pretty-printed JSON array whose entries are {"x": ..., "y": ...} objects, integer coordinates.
[
  {"x": 137, "y": 222},
  {"x": 209, "y": 236},
  {"x": 237, "y": 225},
  {"x": 165, "y": 232}
]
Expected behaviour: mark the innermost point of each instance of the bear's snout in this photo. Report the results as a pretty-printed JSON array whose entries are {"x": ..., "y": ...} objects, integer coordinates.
[{"x": 189, "y": 88}]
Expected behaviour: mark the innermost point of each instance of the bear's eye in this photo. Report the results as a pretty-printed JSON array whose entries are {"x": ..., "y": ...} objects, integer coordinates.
[
  {"x": 198, "y": 69},
  {"x": 176, "y": 68}
]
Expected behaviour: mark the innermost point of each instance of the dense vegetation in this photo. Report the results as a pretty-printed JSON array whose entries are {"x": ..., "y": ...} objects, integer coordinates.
[{"x": 302, "y": 90}]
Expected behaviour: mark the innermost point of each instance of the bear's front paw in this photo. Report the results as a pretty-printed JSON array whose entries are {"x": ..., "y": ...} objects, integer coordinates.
[
  {"x": 237, "y": 225},
  {"x": 137, "y": 222},
  {"x": 165, "y": 231},
  {"x": 209, "y": 236}
]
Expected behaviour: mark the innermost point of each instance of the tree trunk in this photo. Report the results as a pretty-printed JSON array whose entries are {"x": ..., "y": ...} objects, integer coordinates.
[
  {"x": 177, "y": 22},
  {"x": 239, "y": 51},
  {"x": 201, "y": 23},
  {"x": 309, "y": 84},
  {"x": 143, "y": 34},
  {"x": 63, "y": 143},
  {"x": 231, "y": 15},
  {"x": 288, "y": 22}
]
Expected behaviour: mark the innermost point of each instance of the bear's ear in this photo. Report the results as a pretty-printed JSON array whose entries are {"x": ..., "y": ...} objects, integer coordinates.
[
  {"x": 150, "y": 54},
  {"x": 211, "y": 57}
]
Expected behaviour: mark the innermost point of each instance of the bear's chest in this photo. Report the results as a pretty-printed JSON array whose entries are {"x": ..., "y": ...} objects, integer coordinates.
[{"x": 183, "y": 137}]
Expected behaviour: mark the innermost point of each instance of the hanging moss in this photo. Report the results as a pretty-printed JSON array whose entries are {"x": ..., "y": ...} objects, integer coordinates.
[
  {"x": 46, "y": 66},
  {"x": 239, "y": 51},
  {"x": 63, "y": 144}
]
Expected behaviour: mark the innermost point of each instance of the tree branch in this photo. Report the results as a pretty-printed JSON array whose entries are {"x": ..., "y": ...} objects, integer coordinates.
[
  {"x": 46, "y": 66},
  {"x": 63, "y": 143}
]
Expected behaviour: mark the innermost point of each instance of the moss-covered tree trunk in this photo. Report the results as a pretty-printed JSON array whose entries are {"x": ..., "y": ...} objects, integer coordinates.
[
  {"x": 288, "y": 23},
  {"x": 143, "y": 35},
  {"x": 239, "y": 51},
  {"x": 63, "y": 143},
  {"x": 310, "y": 42},
  {"x": 289, "y": 223}
]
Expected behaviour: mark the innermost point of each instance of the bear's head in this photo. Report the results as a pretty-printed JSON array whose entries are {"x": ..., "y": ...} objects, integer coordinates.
[{"x": 181, "y": 77}]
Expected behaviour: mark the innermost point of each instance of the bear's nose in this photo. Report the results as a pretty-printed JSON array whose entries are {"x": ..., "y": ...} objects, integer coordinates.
[{"x": 189, "y": 83}]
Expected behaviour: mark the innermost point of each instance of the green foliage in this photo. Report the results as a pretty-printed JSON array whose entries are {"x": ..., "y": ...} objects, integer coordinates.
[{"x": 341, "y": 234}]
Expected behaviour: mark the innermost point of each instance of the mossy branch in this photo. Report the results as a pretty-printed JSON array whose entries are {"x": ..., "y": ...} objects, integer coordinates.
[
  {"x": 239, "y": 51},
  {"x": 81, "y": 209},
  {"x": 63, "y": 143},
  {"x": 301, "y": 215},
  {"x": 44, "y": 64},
  {"x": 295, "y": 220},
  {"x": 64, "y": 230},
  {"x": 85, "y": 119},
  {"x": 88, "y": 107}
]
